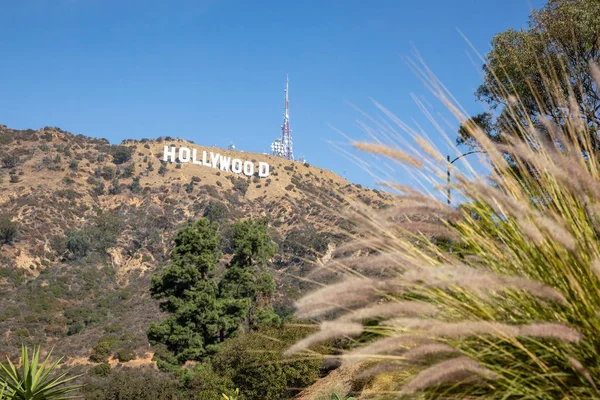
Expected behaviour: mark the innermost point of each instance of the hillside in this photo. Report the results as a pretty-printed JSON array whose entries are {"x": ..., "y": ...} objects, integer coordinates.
[{"x": 59, "y": 188}]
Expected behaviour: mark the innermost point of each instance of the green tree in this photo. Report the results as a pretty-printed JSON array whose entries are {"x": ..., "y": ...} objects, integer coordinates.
[
  {"x": 246, "y": 285},
  {"x": 189, "y": 290},
  {"x": 204, "y": 312},
  {"x": 527, "y": 67}
]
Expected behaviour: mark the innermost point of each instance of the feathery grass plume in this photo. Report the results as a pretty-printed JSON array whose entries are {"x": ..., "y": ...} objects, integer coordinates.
[
  {"x": 478, "y": 281},
  {"x": 429, "y": 149},
  {"x": 390, "y": 309},
  {"x": 395, "y": 154},
  {"x": 398, "y": 187},
  {"x": 329, "y": 330},
  {"x": 361, "y": 244},
  {"x": 578, "y": 366},
  {"x": 378, "y": 369},
  {"x": 551, "y": 331},
  {"x": 425, "y": 228},
  {"x": 389, "y": 345},
  {"x": 380, "y": 262},
  {"x": 518, "y": 297},
  {"x": 450, "y": 371},
  {"x": 349, "y": 293},
  {"x": 419, "y": 206},
  {"x": 428, "y": 350}
]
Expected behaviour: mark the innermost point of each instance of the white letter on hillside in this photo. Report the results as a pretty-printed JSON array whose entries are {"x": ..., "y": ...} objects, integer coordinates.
[
  {"x": 236, "y": 166},
  {"x": 263, "y": 169},
  {"x": 169, "y": 154},
  {"x": 194, "y": 157},
  {"x": 214, "y": 159},
  {"x": 224, "y": 163},
  {"x": 204, "y": 160},
  {"x": 248, "y": 168},
  {"x": 184, "y": 154}
]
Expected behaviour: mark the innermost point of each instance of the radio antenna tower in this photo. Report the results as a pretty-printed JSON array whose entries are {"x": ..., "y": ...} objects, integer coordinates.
[{"x": 286, "y": 132}]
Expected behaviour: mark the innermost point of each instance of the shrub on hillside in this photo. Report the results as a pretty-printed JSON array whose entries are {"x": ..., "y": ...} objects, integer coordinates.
[
  {"x": 241, "y": 185},
  {"x": 203, "y": 383},
  {"x": 8, "y": 229},
  {"x": 100, "y": 370},
  {"x": 10, "y": 160},
  {"x": 216, "y": 211},
  {"x": 108, "y": 172},
  {"x": 98, "y": 188},
  {"x": 104, "y": 230},
  {"x": 125, "y": 355},
  {"x": 100, "y": 352},
  {"x": 133, "y": 383},
  {"x": 255, "y": 363},
  {"x": 121, "y": 154},
  {"x": 305, "y": 242},
  {"x": 135, "y": 186},
  {"x": 115, "y": 187},
  {"x": 129, "y": 170},
  {"x": 77, "y": 244},
  {"x": 163, "y": 169}
]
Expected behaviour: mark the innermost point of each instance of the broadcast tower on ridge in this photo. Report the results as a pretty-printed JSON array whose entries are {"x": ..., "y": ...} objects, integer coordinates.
[{"x": 283, "y": 147}]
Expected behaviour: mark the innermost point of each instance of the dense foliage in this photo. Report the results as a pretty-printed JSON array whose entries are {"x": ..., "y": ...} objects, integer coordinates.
[{"x": 203, "y": 308}]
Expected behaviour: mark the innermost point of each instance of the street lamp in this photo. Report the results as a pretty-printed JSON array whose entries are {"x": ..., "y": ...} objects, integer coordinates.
[{"x": 452, "y": 162}]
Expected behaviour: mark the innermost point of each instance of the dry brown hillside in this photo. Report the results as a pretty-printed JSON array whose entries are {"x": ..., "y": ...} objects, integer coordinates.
[
  {"x": 57, "y": 186},
  {"x": 62, "y": 179}
]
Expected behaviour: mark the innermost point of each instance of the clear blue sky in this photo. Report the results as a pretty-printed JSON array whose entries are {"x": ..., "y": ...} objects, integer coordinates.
[{"x": 213, "y": 71}]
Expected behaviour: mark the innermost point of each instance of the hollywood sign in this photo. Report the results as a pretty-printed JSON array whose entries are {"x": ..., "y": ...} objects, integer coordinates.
[{"x": 215, "y": 160}]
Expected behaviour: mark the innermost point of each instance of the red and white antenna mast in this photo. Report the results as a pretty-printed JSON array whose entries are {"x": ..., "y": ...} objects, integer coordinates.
[{"x": 286, "y": 132}]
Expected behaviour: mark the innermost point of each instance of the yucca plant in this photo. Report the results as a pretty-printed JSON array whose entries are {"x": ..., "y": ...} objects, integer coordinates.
[
  {"x": 234, "y": 396},
  {"x": 513, "y": 311},
  {"x": 33, "y": 380}
]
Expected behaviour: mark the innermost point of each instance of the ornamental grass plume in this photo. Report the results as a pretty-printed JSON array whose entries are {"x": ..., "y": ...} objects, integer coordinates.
[{"x": 513, "y": 310}]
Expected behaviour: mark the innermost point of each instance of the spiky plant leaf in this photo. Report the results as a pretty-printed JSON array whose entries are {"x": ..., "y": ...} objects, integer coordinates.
[{"x": 33, "y": 381}]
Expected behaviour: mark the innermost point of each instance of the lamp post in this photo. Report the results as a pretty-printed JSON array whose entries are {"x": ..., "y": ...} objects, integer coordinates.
[{"x": 452, "y": 162}]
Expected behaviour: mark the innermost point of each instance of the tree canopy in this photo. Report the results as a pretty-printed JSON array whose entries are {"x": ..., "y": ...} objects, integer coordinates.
[
  {"x": 527, "y": 70},
  {"x": 203, "y": 308},
  {"x": 190, "y": 331}
]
